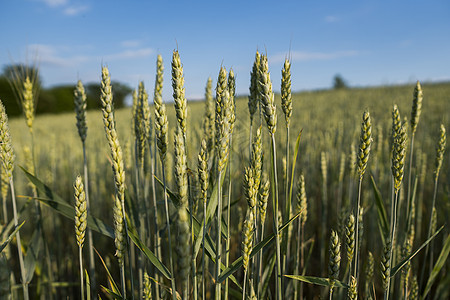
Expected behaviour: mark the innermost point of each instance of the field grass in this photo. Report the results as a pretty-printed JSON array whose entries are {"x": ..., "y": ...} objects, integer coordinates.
[{"x": 330, "y": 125}]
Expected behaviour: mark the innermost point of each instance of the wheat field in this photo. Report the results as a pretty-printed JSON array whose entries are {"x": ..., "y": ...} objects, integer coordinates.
[{"x": 211, "y": 200}]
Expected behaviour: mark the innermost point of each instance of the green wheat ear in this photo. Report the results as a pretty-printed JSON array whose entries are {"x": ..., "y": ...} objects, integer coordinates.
[
  {"x": 416, "y": 107},
  {"x": 80, "y": 211},
  {"x": 353, "y": 291},
  {"x": 232, "y": 92},
  {"x": 247, "y": 240},
  {"x": 350, "y": 237},
  {"x": 267, "y": 96},
  {"x": 80, "y": 110},
  {"x": 28, "y": 101},
  {"x": 222, "y": 121},
  {"x": 264, "y": 197},
  {"x": 440, "y": 149},
  {"x": 202, "y": 170},
  {"x": 398, "y": 158},
  {"x": 385, "y": 269},
  {"x": 369, "y": 271},
  {"x": 208, "y": 121},
  {"x": 254, "y": 92},
  {"x": 286, "y": 96},
  {"x": 364, "y": 143},
  {"x": 302, "y": 203},
  {"x": 161, "y": 123},
  {"x": 178, "y": 91},
  {"x": 335, "y": 257},
  {"x": 117, "y": 164},
  {"x": 6, "y": 150}
]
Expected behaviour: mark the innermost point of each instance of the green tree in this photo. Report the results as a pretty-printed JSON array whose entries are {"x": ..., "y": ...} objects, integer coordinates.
[
  {"x": 339, "y": 82},
  {"x": 54, "y": 99},
  {"x": 8, "y": 98},
  {"x": 120, "y": 92}
]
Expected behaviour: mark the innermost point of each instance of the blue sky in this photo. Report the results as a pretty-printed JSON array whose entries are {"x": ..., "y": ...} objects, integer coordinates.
[{"x": 368, "y": 42}]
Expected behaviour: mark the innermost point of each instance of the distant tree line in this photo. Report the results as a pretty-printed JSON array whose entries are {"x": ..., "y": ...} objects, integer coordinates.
[{"x": 56, "y": 99}]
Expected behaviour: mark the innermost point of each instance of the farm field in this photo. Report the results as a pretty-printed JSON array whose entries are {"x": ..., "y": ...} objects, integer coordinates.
[{"x": 243, "y": 171}]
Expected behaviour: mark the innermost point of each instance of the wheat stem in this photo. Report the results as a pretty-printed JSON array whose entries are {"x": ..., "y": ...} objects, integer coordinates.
[
  {"x": 169, "y": 236},
  {"x": 7, "y": 157}
]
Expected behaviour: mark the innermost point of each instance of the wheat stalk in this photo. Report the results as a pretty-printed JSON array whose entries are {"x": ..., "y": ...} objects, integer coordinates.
[
  {"x": 415, "y": 115},
  {"x": 247, "y": 242},
  {"x": 286, "y": 105},
  {"x": 398, "y": 161},
  {"x": 222, "y": 135},
  {"x": 440, "y": 149},
  {"x": 80, "y": 101},
  {"x": 161, "y": 135},
  {"x": 120, "y": 226},
  {"x": 365, "y": 141},
  {"x": 7, "y": 157},
  {"x": 231, "y": 84},
  {"x": 302, "y": 207},
  {"x": 253, "y": 97},
  {"x": 269, "y": 112},
  {"x": 202, "y": 172}
]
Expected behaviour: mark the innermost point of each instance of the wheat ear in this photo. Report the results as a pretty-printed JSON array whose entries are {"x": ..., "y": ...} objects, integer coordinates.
[
  {"x": 222, "y": 124},
  {"x": 80, "y": 224},
  {"x": 440, "y": 149},
  {"x": 253, "y": 98},
  {"x": 202, "y": 172},
  {"x": 179, "y": 92},
  {"x": 353, "y": 290},
  {"x": 120, "y": 226},
  {"x": 80, "y": 101},
  {"x": 369, "y": 273},
  {"x": 365, "y": 141},
  {"x": 415, "y": 115},
  {"x": 208, "y": 120},
  {"x": 269, "y": 112},
  {"x": 335, "y": 260}
]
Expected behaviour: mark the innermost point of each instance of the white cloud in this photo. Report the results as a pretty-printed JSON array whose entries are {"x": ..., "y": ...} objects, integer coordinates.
[
  {"x": 310, "y": 56},
  {"x": 75, "y": 10},
  {"x": 143, "y": 52},
  {"x": 53, "y": 56},
  {"x": 67, "y": 8},
  {"x": 55, "y": 3},
  {"x": 331, "y": 19},
  {"x": 67, "y": 56},
  {"x": 131, "y": 43}
]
